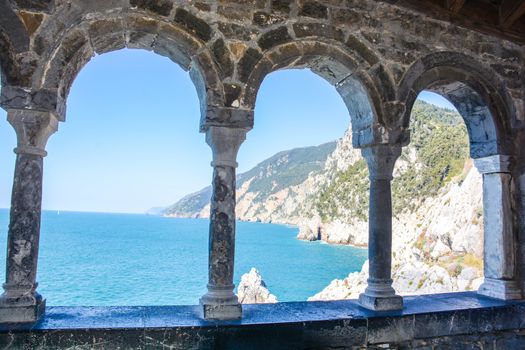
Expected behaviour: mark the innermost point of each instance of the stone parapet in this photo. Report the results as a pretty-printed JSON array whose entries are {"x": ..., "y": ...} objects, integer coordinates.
[{"x": 464, "y": 320}]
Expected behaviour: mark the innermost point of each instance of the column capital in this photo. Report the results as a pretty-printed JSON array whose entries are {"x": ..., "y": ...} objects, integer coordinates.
[
  {"x": 33, "y": 129},
  {"x": 225, "y": 143},
  {"x": 381, "y": 160},
  {"x": 493, "y": 164},
  {"x": 231, "y": 117}
]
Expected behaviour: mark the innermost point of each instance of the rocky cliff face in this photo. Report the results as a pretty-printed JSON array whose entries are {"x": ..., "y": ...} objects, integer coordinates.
[
  {"x": 437, "y": 224},
  {"x": 252, "y": 289},
  {"x": 268, "y": 191},
  {"x": 437, "y": 248}
]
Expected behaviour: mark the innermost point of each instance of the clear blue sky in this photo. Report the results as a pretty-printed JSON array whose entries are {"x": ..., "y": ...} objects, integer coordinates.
[{"x": 131, "y": 140}]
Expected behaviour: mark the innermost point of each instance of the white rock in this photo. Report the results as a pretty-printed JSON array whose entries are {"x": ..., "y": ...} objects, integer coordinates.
[
  {"x": 439, "y": 249},
  {"x": 348, "y": 288},
  {"x": 253, "y": 290},
  {"x": 309, "y": 231},
  {"x": 339, "y": 232},
  {"x": 466, "y": 277}
]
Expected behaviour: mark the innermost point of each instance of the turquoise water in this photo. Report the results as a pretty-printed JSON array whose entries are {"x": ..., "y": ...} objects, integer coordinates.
[{"x": 126, "y": 259}]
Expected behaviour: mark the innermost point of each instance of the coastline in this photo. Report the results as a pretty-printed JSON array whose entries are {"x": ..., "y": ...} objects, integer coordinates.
[{"x": 276, "y": 222}]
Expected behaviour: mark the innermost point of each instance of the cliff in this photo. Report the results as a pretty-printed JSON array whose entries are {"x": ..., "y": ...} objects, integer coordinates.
[
  {"x": 437, "y": 248},
  {"x": 261, "y": 189},
  {"x": 437, "y": 206}
]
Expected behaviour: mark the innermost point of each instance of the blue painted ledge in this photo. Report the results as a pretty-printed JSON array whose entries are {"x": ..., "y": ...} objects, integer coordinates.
[{"x": 342, "y": 324}]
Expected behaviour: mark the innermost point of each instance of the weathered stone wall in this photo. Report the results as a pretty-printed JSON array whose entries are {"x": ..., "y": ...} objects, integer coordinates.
[{"x": 375, "y": 52}]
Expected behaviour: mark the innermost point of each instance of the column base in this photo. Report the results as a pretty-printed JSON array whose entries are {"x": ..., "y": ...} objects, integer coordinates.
[
  {"x": 381, "y": 303},
  {"x": 500, "y": 289},
  {"x": 221, "y": 312},
  {"x": 22, "y": 314},
  {"x": 221, "y": 304},
  {"x": 380, "y": 296},
  {"x": 21, "y": 304}
]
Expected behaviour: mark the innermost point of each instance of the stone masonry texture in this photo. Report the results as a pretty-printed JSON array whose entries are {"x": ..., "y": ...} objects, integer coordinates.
[{"x": 379, "y": 56}]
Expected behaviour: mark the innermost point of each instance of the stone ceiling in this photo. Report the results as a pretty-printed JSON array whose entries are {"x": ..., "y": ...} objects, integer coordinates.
[{"x": 504, "y": 18}]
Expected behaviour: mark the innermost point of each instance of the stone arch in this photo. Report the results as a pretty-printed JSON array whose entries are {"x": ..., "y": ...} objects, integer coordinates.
[
  {"x": 354, "y": 73},
  {"x": 488, "y": 112},
  {"x": 12, "y": 79},
  {"x": 14, "y": 28},
  {"x": 6, "y": 58},
  {"x": 101, "y": 34},
  {"x": 14, "y": 39},
  {"x": 475, "y": 91}
]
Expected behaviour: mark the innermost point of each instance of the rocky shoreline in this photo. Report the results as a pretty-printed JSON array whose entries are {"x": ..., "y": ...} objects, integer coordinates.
[
  {"x": 413, "y": 278},
  {"x": 437, "y": 227},
  {"x": 437, "y": 248}
]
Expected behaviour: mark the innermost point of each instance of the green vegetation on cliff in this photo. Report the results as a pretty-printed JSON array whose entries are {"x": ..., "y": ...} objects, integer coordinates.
[
  {"x": 285, "y": 169},
  {"x": 436, "y": 155},
  {"x": 347, "y": 192},
  {"x": 282, "y": 170},
  {"x": 440, "y": 140}
]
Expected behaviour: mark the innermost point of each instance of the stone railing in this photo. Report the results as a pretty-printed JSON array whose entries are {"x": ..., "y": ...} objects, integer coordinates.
[{"x": 441, "y": 321}]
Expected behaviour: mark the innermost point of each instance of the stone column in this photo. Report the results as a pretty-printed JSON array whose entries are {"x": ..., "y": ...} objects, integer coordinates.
[
  {"x": 499, "y": 252},
  {"x": 20, "y": 303},
  {"x": 220, "y": 302},
  {"x": 379, "y": 294}
]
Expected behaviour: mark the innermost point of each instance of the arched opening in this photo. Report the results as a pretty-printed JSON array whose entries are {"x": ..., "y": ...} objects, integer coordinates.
[
  {"x": 475, "y": 92},
  {"x": 438, "y": 210},
  {"x": 363, "y": 90},
  {"x": 285, "y": 181},
  {"x": 45, "y": 105},
  {"x": 486, "y": 112},
  {"x": 131, "y": 142}
]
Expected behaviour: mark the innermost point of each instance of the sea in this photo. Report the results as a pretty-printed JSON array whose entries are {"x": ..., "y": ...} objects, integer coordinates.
[{"x": 102, "y": 259}]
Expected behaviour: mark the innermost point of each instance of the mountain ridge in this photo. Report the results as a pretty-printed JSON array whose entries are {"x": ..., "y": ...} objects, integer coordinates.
[
  {"x": 436, "y": 194},
  {"x": 283, "y": 163}
]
